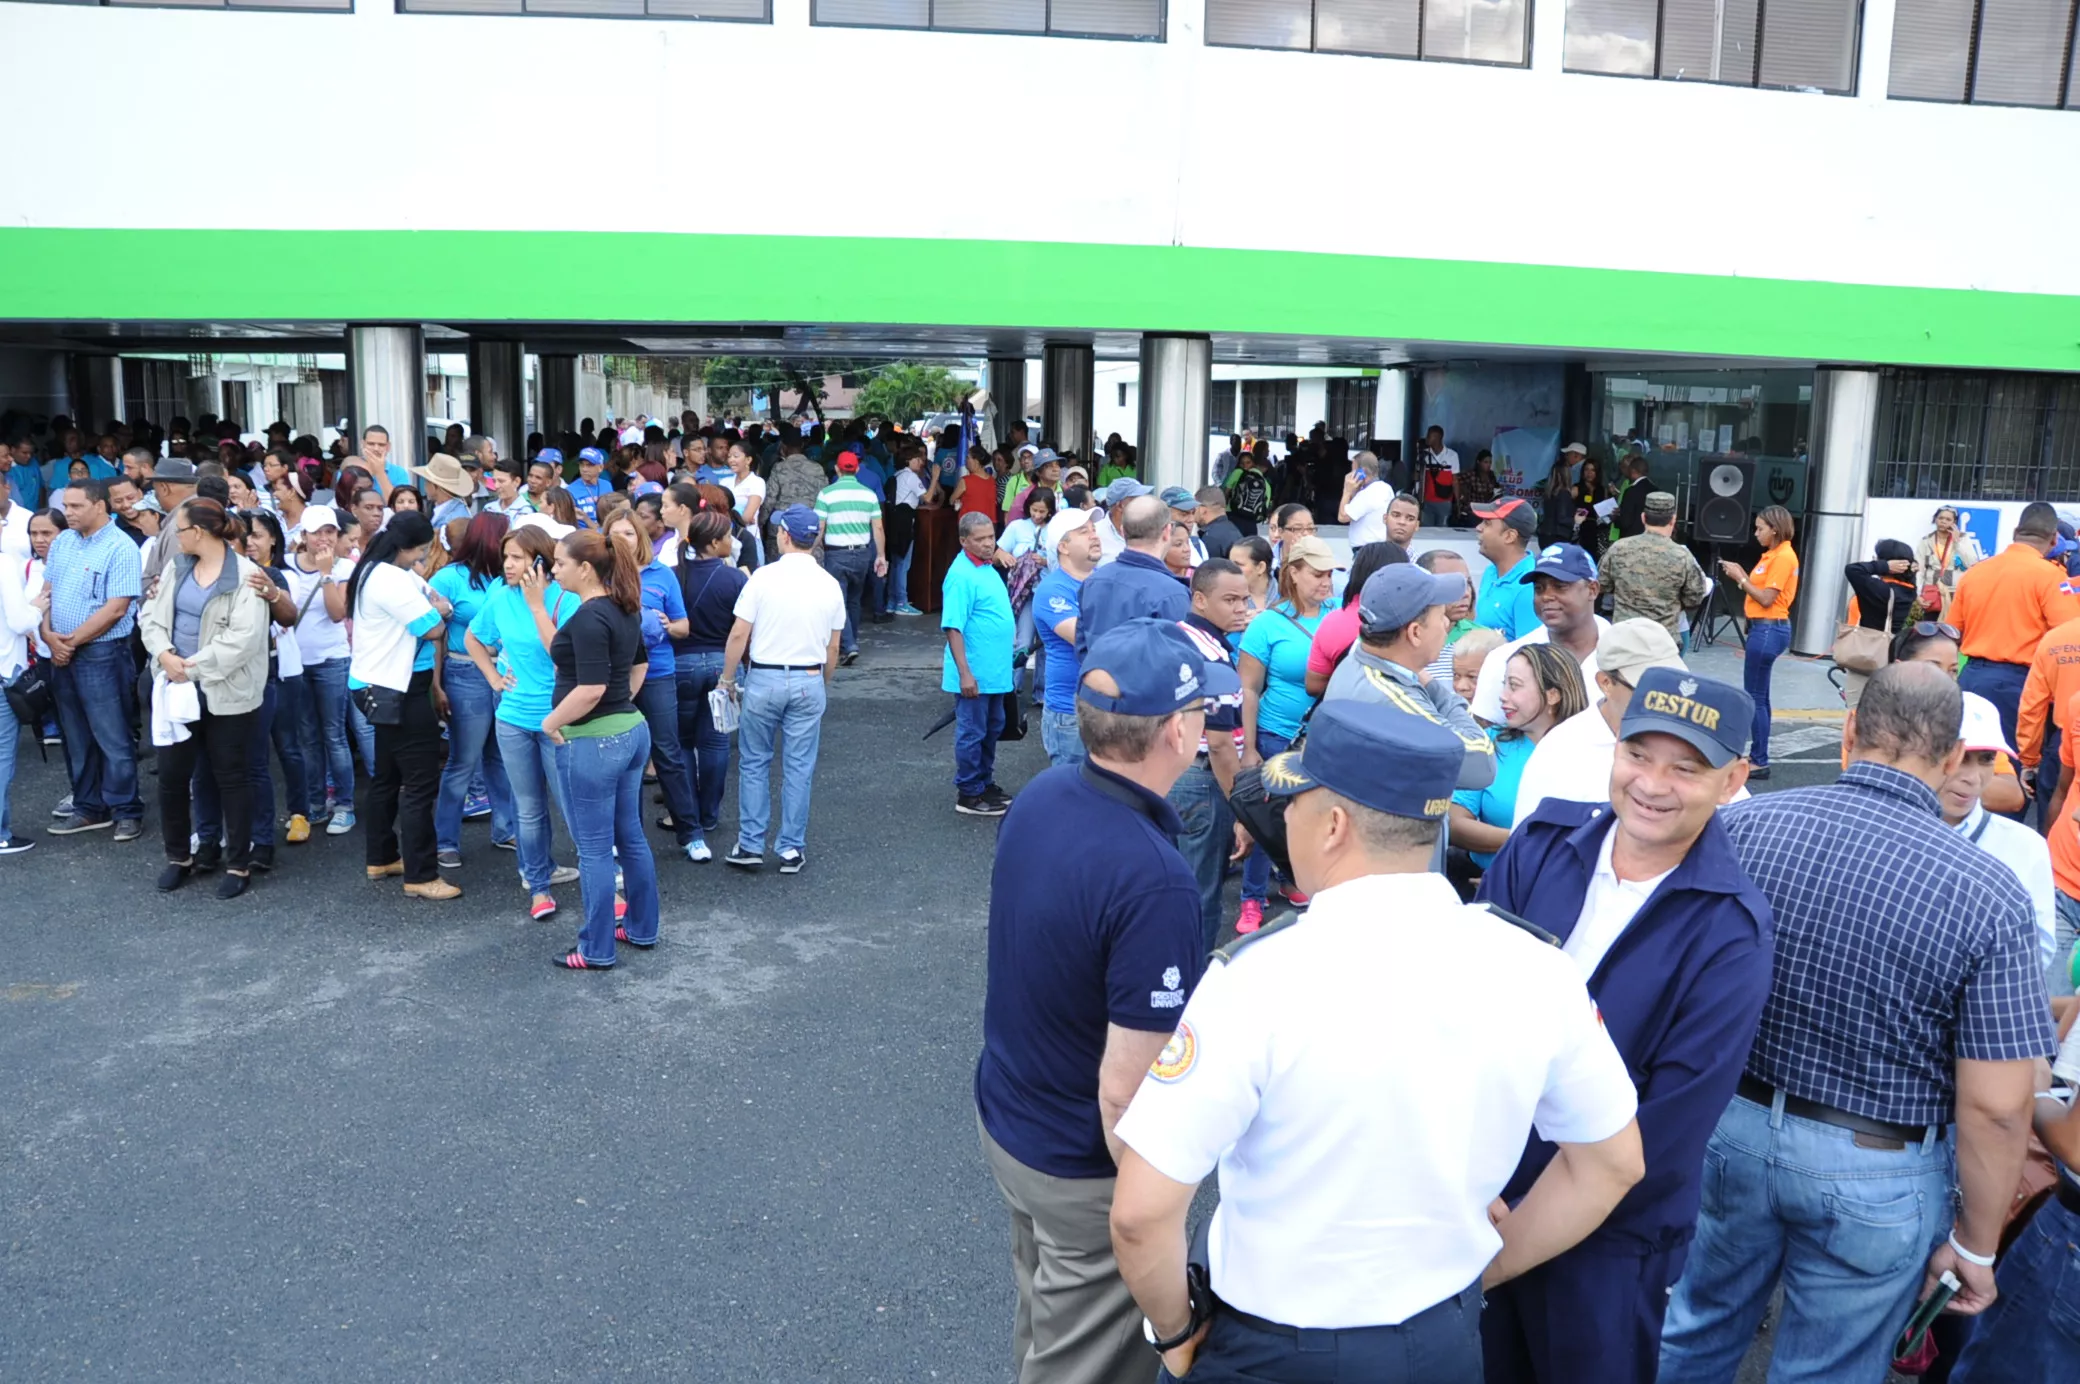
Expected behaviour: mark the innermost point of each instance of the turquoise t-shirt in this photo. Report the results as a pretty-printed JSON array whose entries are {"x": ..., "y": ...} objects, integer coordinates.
[
  {"x": 506, "y": 627},
  {"x": 975, "y": 603},
  {"x": 1506, "y": 601},
  {"x": 1496, "y": 805},
  {"x": 467, "y": 592},
  {"x": 1279, "y": 640}
]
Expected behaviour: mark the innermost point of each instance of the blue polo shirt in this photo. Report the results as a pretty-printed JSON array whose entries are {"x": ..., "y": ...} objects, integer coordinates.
[
  {"x": 1496, "y": 805},
  {"x": 467, "y": 592},
  {"x": 506, "y": 626},
  {"x": 85, "y": 574},
  {"x": 1058, "y": 597},
  {"x": 1093, "y": 920},
  {"x": 662, "y": 601},
  {"x": 1130, "y": 586},
  {"x": 585, "y": 497},
  {"x": 975, "y": 602},
  {"x": 1505, "y": 600},
  {"x": 1279, "y": 639}
]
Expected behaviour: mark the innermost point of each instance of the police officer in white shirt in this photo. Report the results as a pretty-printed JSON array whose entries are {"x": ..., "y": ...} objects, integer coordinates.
[
  {"x": 1365, "y": 1079},
  {"x": 2010, "y": 842}
]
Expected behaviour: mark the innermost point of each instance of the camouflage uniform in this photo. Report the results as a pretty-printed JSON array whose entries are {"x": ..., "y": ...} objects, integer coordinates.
[{"x": 1651, "y": 577}]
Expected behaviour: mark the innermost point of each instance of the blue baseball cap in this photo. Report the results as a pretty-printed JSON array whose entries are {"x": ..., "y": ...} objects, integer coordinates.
[
  {"x": 1126, "y": 488},
  {"x": 593, "y": 456},
  {"x": 552, "y": 455},
  {"x": 1398, "y": 593},
  {"x": 1158, "y": 667},
  {"x": 1705, "y": 713},
  {"x": 1177, "y": 497},
  {"x": 1375, "y": 754},
  {"x": 1563, "y": 562},
  {"x": 643, "y": 488},
  {"x": 800, "y": 523}
]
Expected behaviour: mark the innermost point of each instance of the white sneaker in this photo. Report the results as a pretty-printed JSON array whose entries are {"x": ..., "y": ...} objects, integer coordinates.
[
  {"x": 563, "y": 874},
  {"x": 697, "y": 851},
  {"x": 342, "y": 822}
]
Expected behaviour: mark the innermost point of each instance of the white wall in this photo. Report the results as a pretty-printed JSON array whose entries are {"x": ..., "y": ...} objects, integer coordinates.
[{"x": 1819, "y": 187}]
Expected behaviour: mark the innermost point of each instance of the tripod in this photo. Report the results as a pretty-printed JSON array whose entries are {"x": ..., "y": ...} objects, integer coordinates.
[{"x": 1720, "y": 607}]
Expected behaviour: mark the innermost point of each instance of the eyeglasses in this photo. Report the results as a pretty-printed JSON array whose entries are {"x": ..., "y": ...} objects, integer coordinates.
[{"x": 1929, "y": 629}]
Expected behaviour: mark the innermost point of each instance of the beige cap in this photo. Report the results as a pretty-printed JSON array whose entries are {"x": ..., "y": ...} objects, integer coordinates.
[
  {"x": 1312, "y": 551},
  {"x": 1630, "y": 647}
]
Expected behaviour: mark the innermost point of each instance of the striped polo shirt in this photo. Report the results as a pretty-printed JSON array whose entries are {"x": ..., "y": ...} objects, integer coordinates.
[{"x": 848, "y": 511}]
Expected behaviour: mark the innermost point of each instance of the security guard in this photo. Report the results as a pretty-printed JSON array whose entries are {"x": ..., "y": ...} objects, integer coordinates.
[
  {"x": 1648, "y": 898},
  {"x": 1364, "y": 1078}
]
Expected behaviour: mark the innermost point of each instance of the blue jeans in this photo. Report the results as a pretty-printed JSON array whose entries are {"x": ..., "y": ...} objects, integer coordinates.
[
  {"x": 327, "y": 760},
  {"x": 2032, "y": 1331},
  {"x": 292, "y": 708},
  {"x": 602, "y": 778},
  {"x": 472, "y": 748},
  {"x": 707, "y": 748},
  {"x": 897, "y": 592},
  {"x": 362, "y": 734},
  {"x": 659, "y": 703},
  {"x": 852, "y": 567},
  {"x": 1061, "y": 738},
  {"x": 2058, "y": 980},
  {"x": 1256, "y": 866},
  {"x": 977, "y": 722},
  {"x": 209, "y": 801},
  {"x": 1847, "y": 1229},
  {"x": 1767, "y": 641},
  {"x": 1436, "y": 513},
  {"x": 777, "y": 704},
  {"x": 10, "y": 741},
  {"x": 1209, "y": 832},
  {"x": 97, "y": 704},
  {"x": 530, "y": 764}
]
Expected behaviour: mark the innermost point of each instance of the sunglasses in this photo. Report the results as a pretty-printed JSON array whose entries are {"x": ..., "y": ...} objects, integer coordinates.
[{"x": 1929, "y": 629}]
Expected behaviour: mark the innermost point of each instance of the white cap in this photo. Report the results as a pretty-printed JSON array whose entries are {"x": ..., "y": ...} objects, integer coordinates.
[
  {"x": 1073, "y": 519},
  {"x": 541, "y": 521},
  {"x": 320, "y": 517},
  {"x": 1982, "y": 726}
]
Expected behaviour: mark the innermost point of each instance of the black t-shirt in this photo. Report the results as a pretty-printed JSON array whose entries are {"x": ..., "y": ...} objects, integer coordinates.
[{"x": 598, "y": 645}]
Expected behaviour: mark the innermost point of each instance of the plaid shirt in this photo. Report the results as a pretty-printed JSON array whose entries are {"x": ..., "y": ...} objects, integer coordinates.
[
  {"x": 87, "y": 573},
  {"x": 1901, "y": 948}
]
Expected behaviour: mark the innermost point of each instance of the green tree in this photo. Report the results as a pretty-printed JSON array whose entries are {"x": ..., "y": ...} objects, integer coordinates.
[
  {"x": 904, "y": 392},
  {"x": 733, "y": 379}
]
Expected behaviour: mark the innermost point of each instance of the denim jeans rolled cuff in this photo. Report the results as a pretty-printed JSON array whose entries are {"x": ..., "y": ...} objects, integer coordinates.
[
  {"x": 1256, "y": 866},
  {"x": 10, "y": 742},
  {"x": 1061, "y": 737},
  {"x": 977, "y": 722},
  {"x": 530, "y": 763},
  {"x": 782, "y": 712},
  {"x": 1767, "y": 641},
  {"x": 602, "y": 778},
  {"x": 472, "y": 751},
  {"x": 706, "y": 749}
]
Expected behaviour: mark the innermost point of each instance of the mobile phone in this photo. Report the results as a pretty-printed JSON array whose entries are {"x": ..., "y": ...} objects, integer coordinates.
[
  {"x": 541, "y": 564},
  {"x": 1925, "y": 1314},
  {"x": 1362, "y": 477}
]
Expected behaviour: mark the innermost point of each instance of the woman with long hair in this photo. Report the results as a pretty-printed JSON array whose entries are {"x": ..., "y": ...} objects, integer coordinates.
[
  {"x": 398, "y": 624},
  {"x": 663, "y": 617},
  {"x": 1943, "y": 555},
  {"x": 402, "y": 498},
  {"x": 747, "y": 492},
  {"x": 1592, "y": 535},
  {"x": 602, "y": 742},
  {"x": 559, "y": 505},
  {"x": 745, "y": 549},
  {"x": 1769, "y": 590},
  {"x": 292, "y": 495},
  {"x": 508, "y": 641},
  {"x": 1556, "y": 506},
  {"x": 709, "y": 584},
  {"x": 206, "y": 624},
  {"x": 1272, "y": 660},
  {"x": 283, "y": 708},
  {"x": 474, "y": 573},
  {"x": 1541, "y": 687},
  {"x": 1253, "y": 556}
]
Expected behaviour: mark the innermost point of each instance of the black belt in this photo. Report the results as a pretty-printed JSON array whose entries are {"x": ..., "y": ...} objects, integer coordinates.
[
  {"x": 1319, "y": 1336},
  {"x": 1767, "y": 620},
  {"x": 787, "y": 667},
  {"x": 2068, "y": 1194},
  {"x": 1762, "y": 1093}
]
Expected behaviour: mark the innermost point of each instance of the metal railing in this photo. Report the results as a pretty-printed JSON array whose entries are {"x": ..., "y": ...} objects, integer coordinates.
[{"x": 1959, "y": 436}]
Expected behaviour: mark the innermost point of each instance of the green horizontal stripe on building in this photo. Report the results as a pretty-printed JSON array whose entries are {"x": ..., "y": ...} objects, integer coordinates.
[{"x": 637, "y": 277}]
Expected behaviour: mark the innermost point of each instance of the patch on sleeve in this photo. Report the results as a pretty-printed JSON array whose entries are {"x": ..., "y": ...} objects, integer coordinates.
[{"x": 1176, "y": 1059}]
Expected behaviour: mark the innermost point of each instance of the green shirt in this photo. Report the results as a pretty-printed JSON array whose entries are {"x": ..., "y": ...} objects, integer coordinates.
[
  {"x": 1452, "y": 635},
  {"x": 1109, "y": 474},
  {"x": 848, "y": 511}
]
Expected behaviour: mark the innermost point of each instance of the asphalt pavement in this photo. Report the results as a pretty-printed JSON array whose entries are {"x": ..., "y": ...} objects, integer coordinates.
[{"x": 325, "y": 1132}]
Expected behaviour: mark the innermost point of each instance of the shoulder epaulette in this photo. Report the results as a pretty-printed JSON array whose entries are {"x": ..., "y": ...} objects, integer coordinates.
[
  {"x": 1525, "y": 923},
  {"x": 1228, "y": 953}
]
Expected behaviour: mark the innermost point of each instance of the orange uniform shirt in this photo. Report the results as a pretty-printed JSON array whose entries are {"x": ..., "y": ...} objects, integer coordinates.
[
  {"x": 2006, "y": 605},
  {"x": 2065, "y": 834},
  {"x": 1778, "y": 570},
  {"x": 2054, "y": 676}
]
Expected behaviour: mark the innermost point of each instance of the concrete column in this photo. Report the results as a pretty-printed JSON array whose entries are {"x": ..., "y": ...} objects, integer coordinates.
[
  {"x": 97, "y": 382},
  {"x": 387, "y": 365},
  {"x": 1390, "y": 408},
  {"x": 497, "y": 404},
  {"x": 1006, "y": 382},
  {"x": 1846, "y": 407},
  {"x": 557, "y": 379},
  {"x": 1067, "y": 381},
  {"x": 1176, "y": 377}
]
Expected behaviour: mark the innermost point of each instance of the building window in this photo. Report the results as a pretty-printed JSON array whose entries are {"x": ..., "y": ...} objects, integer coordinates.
[
  {"x": 1141, "y": 19},
  {"x": 1952, "y": 436},
  {"x": 1484, "y": 31},
  {"x": 154, "y": 390},
  {"x": 1988, "y": 53},
  {"x": 1122, "y": 393},
  {"x": 1220, "y": 407},
  {"x": 754, "y": 11},
  {"x": 1268, "y": 406},
  {"x": 1353, "y": 404},
  {"x": 335, "y": 6},
  {"x": 1803, "y": 44}
]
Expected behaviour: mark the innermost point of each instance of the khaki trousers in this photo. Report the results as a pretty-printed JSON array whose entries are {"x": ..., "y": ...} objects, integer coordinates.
[{"x": 1076, "y": 1322}]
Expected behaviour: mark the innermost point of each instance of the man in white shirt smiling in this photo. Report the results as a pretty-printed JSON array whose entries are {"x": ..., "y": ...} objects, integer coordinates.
[
  {"x": 2010, "y": 842},
  {"x": 1565, "y": 584}
]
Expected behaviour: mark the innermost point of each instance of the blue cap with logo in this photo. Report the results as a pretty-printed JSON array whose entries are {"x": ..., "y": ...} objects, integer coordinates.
[
  {"x": 1376, "y": 755},
  {"x": 1563, "y": 562},
  {"x": 1713, "y": 717},
  {"x": 552, "y": 455},
  {"x": 1398, "y": 593},
  {"x": 1177, "y": 497},
  {"x": 1126, "y": 488},
  {"x": 592, "y": 456},
  {"x": 801, "y": 524},
  {"x": 1157, "y": 667}
]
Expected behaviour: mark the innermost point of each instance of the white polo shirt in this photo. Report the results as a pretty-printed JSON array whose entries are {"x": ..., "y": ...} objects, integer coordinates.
[
  {"x": 1573, "y": 764},
  {"x": 1361, "y": 1136},
  {"x": 1607, "y": 908},
  {"x": 793, "y": 606},
  {"x": 2029, "y": 856},
  {"x": 1487, "y": 690},
  {"x": 389, "y": 612},
  {"x": 1368, "y": 511}
]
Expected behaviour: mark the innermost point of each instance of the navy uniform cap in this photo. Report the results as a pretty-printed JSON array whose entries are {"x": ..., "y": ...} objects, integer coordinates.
[
  {"x": 1158, "y": 668},
  {"x": 1376, "y": 755},
  {"x": 1711, "y": 715},
  {"x": 1563, "y": 562}
]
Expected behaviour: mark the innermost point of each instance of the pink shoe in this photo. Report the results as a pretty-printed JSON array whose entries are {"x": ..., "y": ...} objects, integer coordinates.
[
  {"x": 620, "y": 909},
  {"x": 1252, "y": 917},
  {"x": 541, "y": 907},
  {"x": 1296, "y": 898}
]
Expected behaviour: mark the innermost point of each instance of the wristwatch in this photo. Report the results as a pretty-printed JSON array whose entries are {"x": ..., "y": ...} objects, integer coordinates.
[
  {"x": 1163, "y": 1347},
  {"x": 1198, "y": 1293}
]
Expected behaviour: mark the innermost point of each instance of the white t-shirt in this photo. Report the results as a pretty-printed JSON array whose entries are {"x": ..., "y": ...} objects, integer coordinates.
[
  {"x": 1487, "y": 691},
  {"x": 910, "y": 488},
  {"x": 1607, "y": 909},
  {"x": 2029, "y": 856},
  {"x": 1368, "y": 510},
  {"x": 793, "y": 606},
  {"x": 14, "y": 533},
  {"x": 319, "y": 637},
  {"x": 390, "y": 602},
  {"x": 746, "y": 488},
  {"x": 1361, "y": 1139}
]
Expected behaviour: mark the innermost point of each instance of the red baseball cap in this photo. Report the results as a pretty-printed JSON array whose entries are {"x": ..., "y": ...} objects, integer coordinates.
[
  {"x": 1517, "y": 513},
  {"x": 848, "y": 462}
]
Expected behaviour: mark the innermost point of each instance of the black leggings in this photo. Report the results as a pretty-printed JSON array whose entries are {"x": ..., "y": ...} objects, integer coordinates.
[
  {"x": 225, "y": 741},
  {"x": 397, "y": 805}
]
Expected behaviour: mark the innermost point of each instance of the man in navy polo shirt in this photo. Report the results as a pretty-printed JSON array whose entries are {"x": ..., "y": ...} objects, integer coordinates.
[
  {"x": 1089, "y": 969},
  {"x": 1675, "y": 944},
  {"x": 1137, "y": 583}
]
